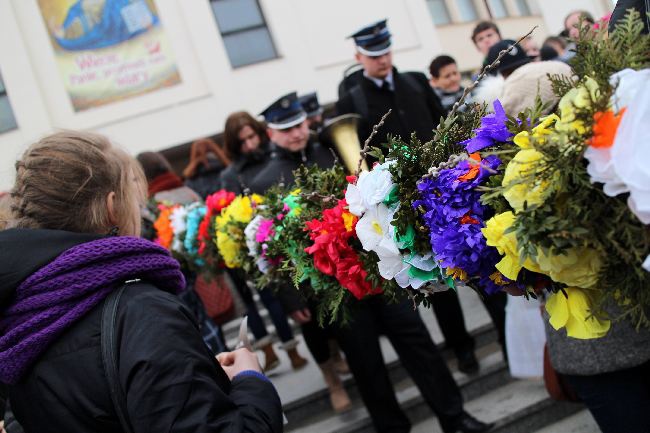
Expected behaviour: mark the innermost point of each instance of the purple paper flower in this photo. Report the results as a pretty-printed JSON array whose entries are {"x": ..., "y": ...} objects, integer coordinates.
[
  {"x": 493, "y": 130},
  {"x": 455, "y": 217}
]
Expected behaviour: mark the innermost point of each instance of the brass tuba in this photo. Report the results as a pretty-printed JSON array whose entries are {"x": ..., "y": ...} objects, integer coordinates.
[{"x": 342, "y": 132}]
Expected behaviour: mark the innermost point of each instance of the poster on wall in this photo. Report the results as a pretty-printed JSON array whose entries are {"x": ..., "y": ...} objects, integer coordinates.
[{"x": 109, "y": 50}]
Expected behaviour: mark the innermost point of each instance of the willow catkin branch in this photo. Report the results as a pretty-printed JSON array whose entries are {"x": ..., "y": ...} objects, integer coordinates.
[{"x": 366, "y": 144}]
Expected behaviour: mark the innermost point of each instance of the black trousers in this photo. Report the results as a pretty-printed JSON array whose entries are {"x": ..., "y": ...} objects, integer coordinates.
[
  {"x": 404, "y": 327},
  {"x": 317, "y": 337},
  {"x": 317, "y": 340},
  {"x": 449, "y": 315},
  {"x": 619, "y": 401}
]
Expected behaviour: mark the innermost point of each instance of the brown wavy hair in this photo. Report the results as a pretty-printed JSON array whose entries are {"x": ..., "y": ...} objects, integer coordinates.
[
  {"x": 63, "y": 181},
  {"x": 234, "y": 124}
]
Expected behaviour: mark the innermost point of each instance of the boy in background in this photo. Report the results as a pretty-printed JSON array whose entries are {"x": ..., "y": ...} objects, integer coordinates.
[{"x": 445, "y": 80}]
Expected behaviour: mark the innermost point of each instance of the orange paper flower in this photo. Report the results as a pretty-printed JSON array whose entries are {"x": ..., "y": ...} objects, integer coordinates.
[
  {"x": 163, "y": 227},
  {"x": 605, "y": 127},
  {"x": 474, "y": 168}
]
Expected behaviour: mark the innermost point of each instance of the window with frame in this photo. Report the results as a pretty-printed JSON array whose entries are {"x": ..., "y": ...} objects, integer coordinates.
[
  {"x": 523, "y": 7},
  {"x": 244, "y": 31},
  {"x": 497, "y": 9},
  {"x": 467, "y": 10},
  {"x": 7, "y": 119},
  {"x": 439, "y": 12}
]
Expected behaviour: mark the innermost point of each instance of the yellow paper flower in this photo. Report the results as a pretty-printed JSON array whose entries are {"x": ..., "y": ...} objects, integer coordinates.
[
  {"x": 581, "y": 96},
  {"x": 578, "y": 267},
  {"x": 518, "y": 176},
  {"x": 539, "y": 132},
  {"x": 230, "y": 226},
  {"x": 506, "y": 244},
  {"x": 572, "y": 312},
  {"x": 520, "y": 185},
  {"x": 229, "y": 250}
]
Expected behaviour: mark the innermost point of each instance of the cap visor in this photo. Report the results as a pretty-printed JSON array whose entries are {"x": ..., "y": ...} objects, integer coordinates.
[
  {"x": 376, "y": 51},
  {"x": 288, "y": 123}
]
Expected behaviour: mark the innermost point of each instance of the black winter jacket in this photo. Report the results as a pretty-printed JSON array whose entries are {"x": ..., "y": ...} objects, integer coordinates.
[
  {"x": 283, "y": 162},
  {"x": 416, "y": 108},
  {"x": 238, "y": 175},
  {"x": 207, "y": 180},
  {"x": 171, "y": 380}
]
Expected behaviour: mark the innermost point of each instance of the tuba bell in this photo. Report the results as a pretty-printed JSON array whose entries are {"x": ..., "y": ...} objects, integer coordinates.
[{"x": 342, "y": 132}]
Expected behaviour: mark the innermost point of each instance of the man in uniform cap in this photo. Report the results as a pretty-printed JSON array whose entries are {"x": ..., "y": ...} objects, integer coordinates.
[
  {"x": 292, "y": 145},
  {"x": 313, "y": 109},
  {"x": 378, "y": 86},
  {"x": 373, "y": 90}
]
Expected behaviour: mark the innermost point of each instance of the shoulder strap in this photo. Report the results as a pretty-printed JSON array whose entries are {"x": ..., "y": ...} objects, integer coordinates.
[{"x": 109, "y": 357}]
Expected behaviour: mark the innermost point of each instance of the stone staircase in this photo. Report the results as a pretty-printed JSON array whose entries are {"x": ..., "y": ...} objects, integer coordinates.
[{"x": 491, "y": 395}]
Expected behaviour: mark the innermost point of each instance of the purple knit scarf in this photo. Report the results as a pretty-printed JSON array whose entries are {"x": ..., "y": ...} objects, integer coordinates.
[{"x": 56, "y": 296}]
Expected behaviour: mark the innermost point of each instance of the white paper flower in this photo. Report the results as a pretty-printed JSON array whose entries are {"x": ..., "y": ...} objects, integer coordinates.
[
  {"x": 646, "y": 264},
  {"x": 625, "y": 82},
  {"x": 177, "y": 220},
  {"x": 631, "y": 148},
  {"x": 354, "y": 200},
  {"x": 424, "y": 263},
  {"x": 372, "y": 188},
  {"x": 374, "y": 229},
  {"x": 390, "y": 259},
  {"x": 624, "y": 167},
  {"x": 250, "y": 232}
]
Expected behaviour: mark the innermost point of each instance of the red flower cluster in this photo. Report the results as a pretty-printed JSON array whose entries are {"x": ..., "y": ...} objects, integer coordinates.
[
  {"x": 214, "y": 204},
  {"x": 332, "y": 253}
]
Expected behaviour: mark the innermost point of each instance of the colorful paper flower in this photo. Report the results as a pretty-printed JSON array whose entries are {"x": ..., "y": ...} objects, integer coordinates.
[
  {"x": 332, "y": 252},
  {"x": 497, "y": 235},
  {"x": 573, "y": 312},
  {"x": 230, "y": 226},
  {"x": 578, "y": 97},
  {"x": 374, "y": 228},
  {"x": 454, "y": 216},
  {"x": 577, "y": 267},
  {"x": 623, "y": 167},
  {"x": 493, "y": 130},
  {"x": 371, "y": 188},
  {"x": 163, "y": 227}
]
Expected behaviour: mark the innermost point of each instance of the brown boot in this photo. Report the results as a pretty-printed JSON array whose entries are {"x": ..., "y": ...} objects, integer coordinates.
[
  {"x": 297, "y": 361},
  {"x": 340, "y": 364},
  {"x": 271, "y": 360},
  {"x": 338, "y": 395}
]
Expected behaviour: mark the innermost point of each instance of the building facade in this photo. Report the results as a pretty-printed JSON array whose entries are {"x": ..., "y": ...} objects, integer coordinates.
[{"x": 177, "y": 68}]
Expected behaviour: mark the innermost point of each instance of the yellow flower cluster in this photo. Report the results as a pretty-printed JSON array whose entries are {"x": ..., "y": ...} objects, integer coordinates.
[
  {"x": 579, "y": 97},
  {"x": 230, "y": 227},
  {"x": 577, "y": 268},
  {"x": 518, "y": 176}
]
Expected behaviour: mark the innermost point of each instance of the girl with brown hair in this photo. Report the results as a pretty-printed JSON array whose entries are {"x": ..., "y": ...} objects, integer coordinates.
[
  {"x": 76, "y": 212},
  {"x": 248, "y": 147}
]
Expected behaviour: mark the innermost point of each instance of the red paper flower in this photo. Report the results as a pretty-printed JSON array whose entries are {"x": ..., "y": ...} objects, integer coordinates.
[{"x": 332, "y": 253}]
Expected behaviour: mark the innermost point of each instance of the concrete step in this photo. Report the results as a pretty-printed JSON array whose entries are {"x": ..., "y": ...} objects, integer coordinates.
[
  {"x": 300, "y": 411},
  {"x": 517, "y": 406},
  {"x": 581, "y": 422}
]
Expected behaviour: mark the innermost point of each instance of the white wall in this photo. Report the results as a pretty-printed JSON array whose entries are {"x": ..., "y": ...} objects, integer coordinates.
[{"x": 310, "y": 37}]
